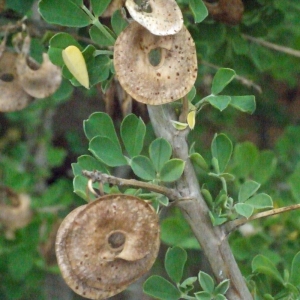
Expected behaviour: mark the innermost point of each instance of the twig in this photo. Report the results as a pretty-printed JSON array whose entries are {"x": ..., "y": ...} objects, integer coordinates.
[
  {"x": 233, "y": 225},
  {"x": 273, "y": 46},
  {"x": 243, "y": 80},
  {"x": 97, "y": 176}
]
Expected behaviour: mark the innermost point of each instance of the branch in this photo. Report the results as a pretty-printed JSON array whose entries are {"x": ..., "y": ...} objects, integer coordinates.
[
  {"x": 243, "y": 80},
  {"x": 212, "y": 239},
  {"x": 273, "y": 46},
  {"x": 97, "y": 176},
  {"x": 233, "y": 225}
]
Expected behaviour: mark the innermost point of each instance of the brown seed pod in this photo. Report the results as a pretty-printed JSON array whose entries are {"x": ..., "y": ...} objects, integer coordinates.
[
  {"x": 12, "y": 95},
  {"x": 150, "y": 82},
  {"x": 39, "y": 81},
  {"x": 160, "y": 17},
  {"x": 104, "y": 246},
  {"x": 226, "y": 11},
  {"x": 15, "y": 215}
]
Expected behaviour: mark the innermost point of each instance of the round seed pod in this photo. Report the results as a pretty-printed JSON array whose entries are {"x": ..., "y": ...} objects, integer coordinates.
[
  {"x": 160, "y": 17},
  {"x": 104, "y": 246},
  {"x": 39, "y": 81},
  {"x": 12, "y": 95},
  {"x": 155, "y": 82}
]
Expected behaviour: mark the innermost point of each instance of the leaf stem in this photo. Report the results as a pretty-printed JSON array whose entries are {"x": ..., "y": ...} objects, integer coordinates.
[
  {"x": 233, "y": 225},
  {"x": 97, "y": 176},
  {"x": 97, "y": 23}
]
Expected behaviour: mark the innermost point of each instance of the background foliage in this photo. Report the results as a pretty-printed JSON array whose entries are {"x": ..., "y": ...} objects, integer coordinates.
[{"x": 39, "y": 143}]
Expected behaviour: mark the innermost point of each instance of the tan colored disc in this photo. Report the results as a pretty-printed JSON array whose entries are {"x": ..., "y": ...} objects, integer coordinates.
[
  {"x": 160, "y": 17},
  {"x": 12, "y": 95},
  {"x": 150, "y": 83},
  {"x": 104, "y": 246}
]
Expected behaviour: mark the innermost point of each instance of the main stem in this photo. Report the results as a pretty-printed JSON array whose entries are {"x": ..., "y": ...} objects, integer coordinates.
[{"x": 213, "y": 240}]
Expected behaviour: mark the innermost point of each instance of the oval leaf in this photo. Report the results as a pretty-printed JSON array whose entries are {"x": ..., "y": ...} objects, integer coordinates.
[
  {"x": 89, "y": 163},
  {"x": 221, "y": 149},
  {"x": 248, "y": 189},
  {"x": 198, "y": 160},
  {"x": 174, "y": 263},
  {"x": 99, "y": 7},
  {"x": 244, "y": 103},
  {"x": 206, "y": 282},
  {"x": 75, "y": 62},
  {"x": 158, "y": 287},
  {"x": 263, "y": 265},
  {"x": 143, "y": 167},
  {"x": 160, "y": 152},
  {"x": 133, "y": 132},
  {"x": 222, "y": 78},
  {"x": 172, "y": 170},
  {"x": 198, "y": 9},
  {"x": 244, "y": 210},
  {"x": 100, "y": 124},
  {"x": 65, "y": 13},
  {"x": 107, "y": 151},
  {"x": 118, "y": 23},
  {"x": 260, "y": 201},
  {"x": 219, "y": 102}
]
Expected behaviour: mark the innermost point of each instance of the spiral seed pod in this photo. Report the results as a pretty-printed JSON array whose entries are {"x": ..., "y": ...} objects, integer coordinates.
[{"x": 104, "y": 246}]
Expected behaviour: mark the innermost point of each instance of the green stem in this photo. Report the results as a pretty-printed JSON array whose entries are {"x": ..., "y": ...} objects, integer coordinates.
[
  {"x": 96, "y": 22},
  {"x": 103, "y": 52},
  {"x": 224, "y": 184}
]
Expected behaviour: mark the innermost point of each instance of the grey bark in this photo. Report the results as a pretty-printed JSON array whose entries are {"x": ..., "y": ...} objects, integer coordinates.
[{"x": 213, "y": 240}]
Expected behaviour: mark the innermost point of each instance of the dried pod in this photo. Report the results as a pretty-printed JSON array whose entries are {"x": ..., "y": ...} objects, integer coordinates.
[
  {"x": 104, "y": 246},
  {"x": 15, "y": 215},
  {"x": 148, "y": 79},
  {"x": 39, "y": 81},
  {"x": 12, "y": 95},
  {"x": 226, "y": 11},
  {"x": 160, "y": 17}
]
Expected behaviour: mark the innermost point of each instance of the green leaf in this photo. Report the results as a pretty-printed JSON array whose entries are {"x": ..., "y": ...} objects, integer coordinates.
[
  {"x": 220, "y": 297},
  {"x": 221, "y": 149},
  {"x": 188, "y": 284},
  {"x": 143, "y": 167},
  {"x": 191, "y": 94},
  {"x": 198, "y": 9},
  {"x": 107, "y": 151},
  {"x": 295, "y": 274},
  {"x": 175, "y": 260},
  {"x": 158, "y": 287},
  {"x": 98, "y": 68},
  {"x": 172, "y": 170},
  {"x": 245, "y": 156},
  {"x": 244, "y": 210},
  {"x": 99, "y": 37},
  {"x": 57, "y": 44},
  {"x": 248, "y": 189},
  {"x": 244, "y": 103},
  {"x": 203, "y": 296},
  {"x": 219, "y": 102},
  {"x": 206, "y": 282},
  {"x": 118, "y": 23},
  {"x": 89, "y": 163},
  {"x": 265, "y": 166},
  {"x": 222, "y": 78},
  {"x": 262, "y": 57},
  {"x": 65, "y": 13},
  {"x": 222, "y": 287},
  {"x": 199, "y": 161},
  {"x": 133, "y": 132},
  {"x": 262, "y": 265},
  {"x": 100, "y": 124},
  {"x": 99, "y": 7},
  {"x": 294, "y": 182},
  {"x": 160, "y": 152},
  {"x": 80, "y": 187},
  {"x": 260, "y": 201}
]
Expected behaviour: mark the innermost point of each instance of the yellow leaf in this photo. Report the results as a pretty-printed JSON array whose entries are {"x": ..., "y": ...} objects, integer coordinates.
[
  {"x": 179, "y": 125},
  {"x": 75, "y": 62},
  {"x": 191, "y": 119}
]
